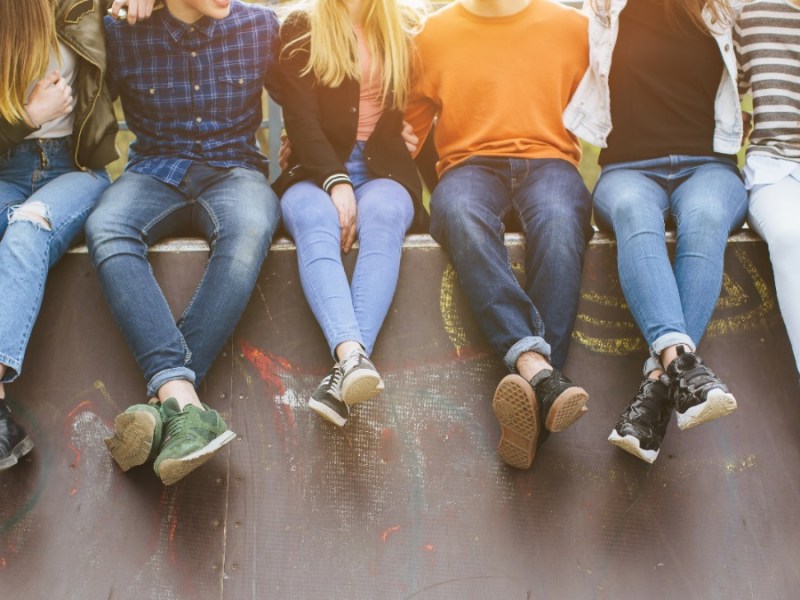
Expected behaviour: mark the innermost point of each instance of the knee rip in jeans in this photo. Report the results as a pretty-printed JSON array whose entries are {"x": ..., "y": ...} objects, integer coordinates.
[{"x": 33, "y": 212}]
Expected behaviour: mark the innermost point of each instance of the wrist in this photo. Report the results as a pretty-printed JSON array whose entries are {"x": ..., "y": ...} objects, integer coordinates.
[{"x": 28, "y": 118}]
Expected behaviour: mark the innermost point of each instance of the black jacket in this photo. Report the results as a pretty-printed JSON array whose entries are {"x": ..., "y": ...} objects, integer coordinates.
[
  {"x": 80, "y": 26},
  {"x": 321, "y": 123}
]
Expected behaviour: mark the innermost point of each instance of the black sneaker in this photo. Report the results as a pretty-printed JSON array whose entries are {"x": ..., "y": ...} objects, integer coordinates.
[
  {"x": 14, "y": 443},
  {"x": 560, "y": 401},
  {"x": 517, "y": 412},
  {"x": 326, "y": 400},
  {"x": 360, "y": 378},
  {"x": 698, "y": 395},
  {"x": 642, "y": 425}
]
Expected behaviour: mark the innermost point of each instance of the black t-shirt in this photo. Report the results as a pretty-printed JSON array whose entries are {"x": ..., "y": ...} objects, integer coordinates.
[{"x": 664, "y": 77}]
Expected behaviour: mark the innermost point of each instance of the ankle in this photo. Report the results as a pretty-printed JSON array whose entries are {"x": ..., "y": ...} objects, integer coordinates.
[{"x": 345, "y": 349}]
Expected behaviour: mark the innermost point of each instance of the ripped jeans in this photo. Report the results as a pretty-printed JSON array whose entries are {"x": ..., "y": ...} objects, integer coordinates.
[{"x": 44, "y": 203}]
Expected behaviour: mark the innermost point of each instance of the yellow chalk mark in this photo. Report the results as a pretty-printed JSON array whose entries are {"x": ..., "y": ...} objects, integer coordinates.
[
  {"x": 613, "y": 346},
  {"x": 753, "y": 318},
  {"x": 605, "y": 323},
  {"x": 604, "y": 299},
  {"x": 449, "y": 310}
]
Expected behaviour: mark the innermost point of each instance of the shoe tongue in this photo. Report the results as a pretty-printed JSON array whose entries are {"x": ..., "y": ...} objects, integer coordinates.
[{"x": 170, "y": 406}]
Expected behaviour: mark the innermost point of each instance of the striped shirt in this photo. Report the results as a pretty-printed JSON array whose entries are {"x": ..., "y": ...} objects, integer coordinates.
[
  {"x": 192, "y": 93},
  {"x": 767, "y": 41}
]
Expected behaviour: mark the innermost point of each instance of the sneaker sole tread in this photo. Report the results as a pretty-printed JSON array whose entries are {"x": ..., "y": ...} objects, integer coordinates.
[
  {"x": 360, "y": 388},
  {"x": 718, "y": 404},
  {"x": 133, "y": 439},
  {"x": 632, "y": 445},
  {"x": 514, "y": 405},
  {"x": 17, "y": 452},
  {"x": 568, "y": 407},
  {"x": 172, "y": 470}
]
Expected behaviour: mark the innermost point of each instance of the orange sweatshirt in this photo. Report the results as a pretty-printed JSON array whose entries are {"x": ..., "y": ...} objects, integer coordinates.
[{"x": 499, "y": 84}]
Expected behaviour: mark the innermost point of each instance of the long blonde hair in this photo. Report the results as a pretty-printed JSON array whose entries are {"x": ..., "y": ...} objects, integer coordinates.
[
  {"x": 389, "y": 26},
  {"x": 27, "y": 36},
  {"x": 721, "y": 10}
]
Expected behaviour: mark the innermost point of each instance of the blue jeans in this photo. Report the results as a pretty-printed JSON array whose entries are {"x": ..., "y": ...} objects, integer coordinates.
[
  {"x": 554, "y": 208},
  {"x": 234, "y": 209},
  {"x": 706, "y": 199},
  {"x": 37, "y": 177},
  {"x": 355, "y": 311}
]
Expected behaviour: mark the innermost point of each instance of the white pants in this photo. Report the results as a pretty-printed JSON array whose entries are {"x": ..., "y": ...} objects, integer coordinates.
[{"x": 775, "y": 216}]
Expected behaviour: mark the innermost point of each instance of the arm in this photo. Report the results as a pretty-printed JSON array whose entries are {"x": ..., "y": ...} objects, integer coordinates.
[
  {"x": 50, "y": 98},
  {"x": 301, "y": 113},
  {"x": 310, "y": 145}
]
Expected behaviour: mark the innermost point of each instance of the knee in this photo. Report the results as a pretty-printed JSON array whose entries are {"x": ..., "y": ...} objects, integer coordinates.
[{"x": 35, "y": 213}]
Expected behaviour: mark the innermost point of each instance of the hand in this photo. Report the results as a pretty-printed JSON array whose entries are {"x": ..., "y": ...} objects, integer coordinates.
[
  {"x": 344, "y": 199},
  {"x": 137, "y": 10},
  {"x": 51, "y": 98},
  {"x": 285, "y": 152},
  {"x": 411, "y": 140},
  {"x": 747, "y": 125}
]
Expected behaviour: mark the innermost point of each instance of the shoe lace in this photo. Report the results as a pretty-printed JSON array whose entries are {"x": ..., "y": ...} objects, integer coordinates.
[
  {"x": 176, "y": 425},
  {"x": 351, "y": 361}
]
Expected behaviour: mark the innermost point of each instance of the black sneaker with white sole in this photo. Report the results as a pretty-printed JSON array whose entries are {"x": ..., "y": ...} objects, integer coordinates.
[
  {"x": 360, "y": 379},
  {"x": 642, "y": 425},
  {"x": 326, "y": 400},
  {"x": 697, "y": 393},
  {"x": 14, "y": 442}
]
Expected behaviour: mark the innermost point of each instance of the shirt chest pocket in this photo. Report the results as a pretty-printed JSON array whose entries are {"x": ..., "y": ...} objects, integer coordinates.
[
  {"x": 156, "y": 97},
  {"x": 239, "y": 93}
]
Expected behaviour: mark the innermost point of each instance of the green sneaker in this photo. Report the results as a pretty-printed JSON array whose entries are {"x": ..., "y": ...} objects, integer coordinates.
[
  {"x": 192, "y": 436},
  {"x": 137, "y": 436}
]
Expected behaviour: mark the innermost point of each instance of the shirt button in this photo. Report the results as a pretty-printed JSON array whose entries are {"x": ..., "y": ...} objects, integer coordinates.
[
  {"x": 198, "y": 119},
  {"x": 241, "y": 81},
  {"x": 727, "y": 47},
  {"x": 194, "y": 54},
  {"x": 353, "y": 109},
  {"x": 192, "y": 28},
  {"x": 152, "y": 90},
  {"x": 196, "y": 88}
]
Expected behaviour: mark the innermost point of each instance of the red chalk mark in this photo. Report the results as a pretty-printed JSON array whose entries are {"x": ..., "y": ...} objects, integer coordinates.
[
  {"x": 428, "y": 548},
  {"x": 3, "y": 562},
  {"x": 387, "y": 447},
  {"x": 73, "y": 491},
  {"x": 86, "y": 405},
  {"x": 267, "y": 366},
  {"x": 387, "y": 532}
]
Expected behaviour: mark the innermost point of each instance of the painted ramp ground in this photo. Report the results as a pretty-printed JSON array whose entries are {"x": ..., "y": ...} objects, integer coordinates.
[{"x": 409, "y": 500}]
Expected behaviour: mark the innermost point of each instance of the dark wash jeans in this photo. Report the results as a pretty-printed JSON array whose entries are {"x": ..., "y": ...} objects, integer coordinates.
[{"x": 554, "y": 208}]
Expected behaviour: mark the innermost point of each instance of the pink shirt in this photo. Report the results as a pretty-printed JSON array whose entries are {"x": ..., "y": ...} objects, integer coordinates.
[{"x": 369, "y": 104}]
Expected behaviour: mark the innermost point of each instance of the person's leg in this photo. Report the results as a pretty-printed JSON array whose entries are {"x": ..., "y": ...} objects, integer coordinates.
[
  {"x": 631, "y": 200},
  {"x": 311, "y": 219},
  {"x": 238, "y": 213},
  {"x": 555, "y": 210},
  {"x": 467, "y": 210},
  {"x": 135, "y": 212},
  {"x": 709, "y": 203},
  {"x": 385, "y": 212},
  {"x": 775, "y": 216},
  {"x": 44, "y": 202}
]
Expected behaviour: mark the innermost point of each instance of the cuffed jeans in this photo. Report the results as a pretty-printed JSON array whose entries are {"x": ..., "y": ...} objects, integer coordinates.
[
  {"x": 775, "y": 216},
  {"x": 234, "y": 209},
  {"x": 38, "y": 177},
  {"x": 705, "y": 197},
  {"x": 554, "y": 207},
  {"x": 355, "y": 311}
]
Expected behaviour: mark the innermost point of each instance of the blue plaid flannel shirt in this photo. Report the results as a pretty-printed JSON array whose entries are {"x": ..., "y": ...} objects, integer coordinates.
[{"x": 193, "y": 92}]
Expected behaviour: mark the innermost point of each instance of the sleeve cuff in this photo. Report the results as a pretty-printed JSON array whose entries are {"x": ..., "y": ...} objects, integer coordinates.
[{"x": 335, "y": 179}]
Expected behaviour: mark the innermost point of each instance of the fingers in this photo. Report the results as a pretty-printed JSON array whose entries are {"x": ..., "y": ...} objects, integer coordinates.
[
  {"x": 409, "y": 137},
  {"x": 50, "y": 79},
  {"x": 285, "y": 152}
]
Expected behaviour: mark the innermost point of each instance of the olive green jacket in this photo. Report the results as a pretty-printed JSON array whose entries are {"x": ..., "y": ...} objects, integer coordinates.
[{"x": 79, "y": 24}]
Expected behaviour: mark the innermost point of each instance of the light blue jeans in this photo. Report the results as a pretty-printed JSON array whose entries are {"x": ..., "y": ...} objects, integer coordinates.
[
  {"x": 234, "y": 209},
  {"x": 40, "y": 177},
  {"x": 354, "y": 311},
  {"x": 706, "y": 199}
]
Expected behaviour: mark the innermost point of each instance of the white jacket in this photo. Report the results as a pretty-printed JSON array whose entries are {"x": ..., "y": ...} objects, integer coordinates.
[{"x": 588, "y": 114}]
